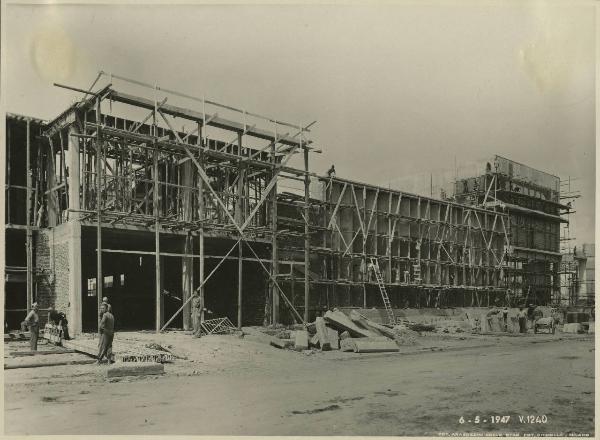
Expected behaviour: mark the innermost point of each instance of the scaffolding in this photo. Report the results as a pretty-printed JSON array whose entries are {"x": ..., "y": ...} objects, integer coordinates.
[{"x": 115, "y": 161}]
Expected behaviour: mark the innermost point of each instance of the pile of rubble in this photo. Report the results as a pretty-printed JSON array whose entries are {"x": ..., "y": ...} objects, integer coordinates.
[{"x": 338, "y": 331}]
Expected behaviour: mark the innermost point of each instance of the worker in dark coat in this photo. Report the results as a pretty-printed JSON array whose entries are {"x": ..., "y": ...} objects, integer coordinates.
[
  {"x": 32, "y": 321},
  {"x": 64, "y": 324},
  {"x": 107, "y": 332},
  {"x": 53, "y": 317}
]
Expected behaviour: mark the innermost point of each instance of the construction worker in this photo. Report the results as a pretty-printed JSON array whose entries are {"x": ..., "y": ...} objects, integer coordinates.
[
  {"x": 370, "y": 269},
  {"x": 32, "y": 321},
  {"x": 522, "y": 315},
  {"x": 197, "y": 312},
  {"x": 531, "y": 315},
  {"x": 53, "y": 317},
  {"x": 107, "y": 332},
  {"x": 331, "y": 172},
  {"x": 505, "y": 318}
]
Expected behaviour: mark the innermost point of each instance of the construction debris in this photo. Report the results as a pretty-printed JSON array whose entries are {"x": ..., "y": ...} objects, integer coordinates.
[
  {"x": 17, "y": 336},
  {"x": 374, "y": 345},
  {"x": 281, "y": 343},
  {"x": 373, "y": 326},
  {"x": 574, "y": 327},
  {"x": 301, "y": 340},
  {"x": 217, "y": 326},
  {"x": 418, "y": 327},
  {"x": 123, "y": 351},
  {"x": 334, "y": 338},
  {"x": 134, "y": 369},
  {"x": 339, "y": 320}
]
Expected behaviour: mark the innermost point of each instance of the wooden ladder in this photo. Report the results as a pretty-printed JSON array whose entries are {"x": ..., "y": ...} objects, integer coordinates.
[
  {"x": 417, "y": 273},
  {"x": 384, "y": 294}
]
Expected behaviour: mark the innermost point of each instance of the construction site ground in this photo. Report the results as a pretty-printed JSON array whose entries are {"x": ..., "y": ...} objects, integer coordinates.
[{"x": 229, "y": 385}]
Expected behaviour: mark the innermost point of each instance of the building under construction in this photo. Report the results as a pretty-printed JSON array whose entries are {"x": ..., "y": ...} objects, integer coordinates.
[
  {"x": 150, "y": 196},
  {"x": 532, "y": 200}
]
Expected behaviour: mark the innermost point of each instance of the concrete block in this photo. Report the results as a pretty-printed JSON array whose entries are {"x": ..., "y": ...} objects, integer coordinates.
[
  {"x": 334, "y": 338},
  {"x": 281, "y": 343},
  {"x": 340, "y": 321},
  {"x": 301, "y": 340},
  {"x": 591, "y": 329},
  {"x": 369, "y": 345},
  {"x": 347, "y": 344},
  {"x": 134, "y": 369},
  {"x": 574, "y": 327}
]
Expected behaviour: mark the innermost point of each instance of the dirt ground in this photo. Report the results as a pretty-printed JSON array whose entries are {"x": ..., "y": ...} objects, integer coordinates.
[{"x": 225, "y": 385}]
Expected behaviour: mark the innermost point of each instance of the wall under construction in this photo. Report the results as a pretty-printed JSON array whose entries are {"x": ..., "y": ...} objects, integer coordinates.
[
  {"x": 532, "y": 200},
  {"x": 120, "y": 203}
]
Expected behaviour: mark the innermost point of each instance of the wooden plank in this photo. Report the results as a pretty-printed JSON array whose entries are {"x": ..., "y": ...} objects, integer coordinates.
[
  {"x": 134, "y": 369},
  {"x": 215, "y": 121},
  {"x": 322, "y": 334},
  {"x": 49, "y": 364},
  {"x": 39, "y": 352},
  {"x": 340, "y": 321}
]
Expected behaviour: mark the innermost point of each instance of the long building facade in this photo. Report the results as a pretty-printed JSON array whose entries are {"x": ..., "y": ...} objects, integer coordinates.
[{"x": 111, "y": 199}]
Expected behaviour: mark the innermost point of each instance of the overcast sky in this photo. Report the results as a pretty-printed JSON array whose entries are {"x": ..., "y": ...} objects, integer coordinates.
[{"x": 397, "y": 90}]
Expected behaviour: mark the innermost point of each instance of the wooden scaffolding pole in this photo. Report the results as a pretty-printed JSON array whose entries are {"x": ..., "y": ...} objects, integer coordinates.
[
  {"x": 155, "y": 208},
  {"x": 275, "y": 254},
  {"x": 99, "y": 278},
  {"x": 29, "y": 233},
  {"x": 240, "y": 218},
  {"x": 199, "y": 141},
  {"x": 306, "y": 236}
]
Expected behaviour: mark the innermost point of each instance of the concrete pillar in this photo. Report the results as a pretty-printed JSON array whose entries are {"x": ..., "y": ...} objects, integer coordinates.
[{"x": 75, "y": 280}]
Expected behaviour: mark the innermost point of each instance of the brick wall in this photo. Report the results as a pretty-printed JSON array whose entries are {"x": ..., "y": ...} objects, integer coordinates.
[{"x": 52, "y": 269}]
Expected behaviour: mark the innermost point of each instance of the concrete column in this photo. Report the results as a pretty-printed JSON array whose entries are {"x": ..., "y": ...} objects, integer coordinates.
[{"x": 75, "y": 280}]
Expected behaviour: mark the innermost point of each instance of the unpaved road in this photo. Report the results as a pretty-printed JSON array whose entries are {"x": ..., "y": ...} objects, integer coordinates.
[{"x": 424, "y": 394}]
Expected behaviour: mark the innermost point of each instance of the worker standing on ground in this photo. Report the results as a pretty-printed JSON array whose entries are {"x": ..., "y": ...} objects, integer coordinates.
[
  {"x": 32, "y": 321},
  {"x": 197, "y": 312},
  {"x": 522, "y": 315},
  {"x": 505, "y": 318},
  {"x": 531, "y": 315},
  {"x": 107, "y": 332}
]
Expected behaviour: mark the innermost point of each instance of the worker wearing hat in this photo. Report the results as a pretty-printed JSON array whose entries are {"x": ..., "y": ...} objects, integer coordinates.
[{"x": 33, "y": 322}]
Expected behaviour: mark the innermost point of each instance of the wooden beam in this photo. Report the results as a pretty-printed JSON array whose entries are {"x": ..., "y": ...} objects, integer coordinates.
[
  {"x": 158, "y": 279},
  {"x": 216, "y": 121},
  {"x": 99, "y": 276},
  {"x": 29, "y": 233},
  {"x": 306, "y": 237}
]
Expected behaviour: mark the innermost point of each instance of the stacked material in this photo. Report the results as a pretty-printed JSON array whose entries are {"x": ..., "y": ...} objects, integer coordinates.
[
  {"x": 336, "y": 330},
  {"x": 123, "y": 351}
]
